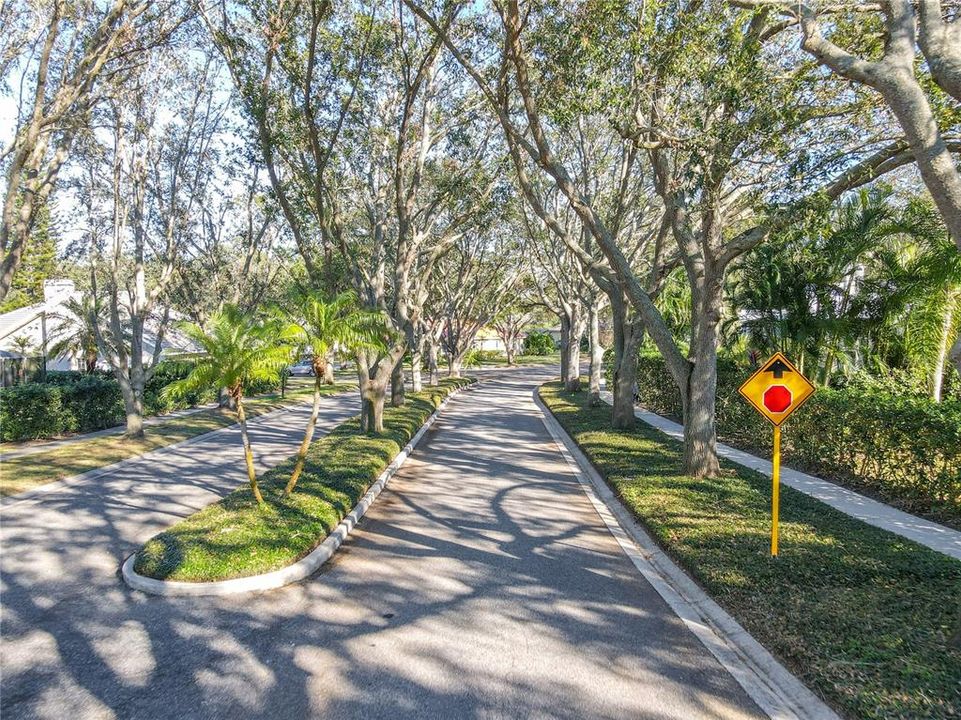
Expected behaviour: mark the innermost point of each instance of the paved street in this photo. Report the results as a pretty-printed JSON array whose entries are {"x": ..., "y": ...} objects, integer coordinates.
[{"x": 482, "y": 584}]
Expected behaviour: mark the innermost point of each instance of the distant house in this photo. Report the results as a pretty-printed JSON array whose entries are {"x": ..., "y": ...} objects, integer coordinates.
[
  {"x": 488, "y": 339},
  {"x": 40, "y": 326}
]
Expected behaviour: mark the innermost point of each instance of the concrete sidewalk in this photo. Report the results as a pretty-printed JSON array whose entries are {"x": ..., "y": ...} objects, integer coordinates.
[{"x": 924, "y": 532}]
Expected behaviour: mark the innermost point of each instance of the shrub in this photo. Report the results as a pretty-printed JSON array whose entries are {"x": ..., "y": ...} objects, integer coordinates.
[
  {"x": 480, "y": 356},
  {"x": 167, "y": 372},
  {"x": 31, "y": 411},
  {"x": 903, "y": 448},
  {"x": 94, "y": 403},
  {"x": 63, "y": 377},
  {"x": 539, "y": 343}
]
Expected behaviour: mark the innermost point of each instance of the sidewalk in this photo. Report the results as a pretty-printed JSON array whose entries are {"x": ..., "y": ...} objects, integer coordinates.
[{"x": 924, "y": 532}]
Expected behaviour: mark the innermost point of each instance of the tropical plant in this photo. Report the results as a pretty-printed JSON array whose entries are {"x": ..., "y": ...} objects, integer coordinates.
[
  {"x": 933, "y": 304},
  {"x": 22, "y": 345},
  {"x": 324, "y": 325},
  {"x": 237, "y": 349},
  {"x": 821, "y": 290},
  {"x": 78, "y": 333}
]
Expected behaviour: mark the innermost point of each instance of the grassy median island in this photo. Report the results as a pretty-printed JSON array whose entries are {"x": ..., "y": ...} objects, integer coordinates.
[
  {"x": 28, "y": 471},
  {"x": 864, "y": 617},
  {"x": 234, "y": 538}
]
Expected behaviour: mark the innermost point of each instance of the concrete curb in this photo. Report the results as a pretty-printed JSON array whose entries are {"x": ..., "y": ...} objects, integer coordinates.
[
  {"x": 38, "y": 492},
  {"x": 304, "y": 567},
  {"x": 938, "y": 537},
  {"x": 775, "y": 690}
]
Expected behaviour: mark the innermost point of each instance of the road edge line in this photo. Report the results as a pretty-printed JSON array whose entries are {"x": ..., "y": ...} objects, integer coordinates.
[
  {"x": 775, "y": 689},
  {"x": 307, "y": 565}
]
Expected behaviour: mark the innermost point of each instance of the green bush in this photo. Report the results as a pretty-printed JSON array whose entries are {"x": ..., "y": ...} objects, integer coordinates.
[
  {"x": 63, "y": 377},
  {"x": 905, "y": 449},
  {"x": 473, "y": 358},
  {"x": 81, "y": 403},
  {"x": 539, "y": 343},
  {"x": 31, "y": 411},
  {"x": 94, "y": 403}
]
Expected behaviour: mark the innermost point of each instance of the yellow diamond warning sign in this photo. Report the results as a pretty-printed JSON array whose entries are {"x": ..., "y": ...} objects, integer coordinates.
[{"x": 777, "y": 389}]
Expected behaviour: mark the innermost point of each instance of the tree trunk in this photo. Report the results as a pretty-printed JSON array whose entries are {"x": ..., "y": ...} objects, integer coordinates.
[
  {"x": 416, "y": 375},
  {"x": 328, "y": 372},
  {"x": 397, "y": 391},
  {"x": 510, "y": 349},
  {"x": 954, "y": 354},
  {"x": 372, "y": 415},
  {"x": 909, "y": 104},
  {"x": 248, "y": 451},
  {"x": 454, "y": 364},
  {"x": 226, "y": 400},
  {"x": 627, "y": 338},
  {"x": 597, "y": 355},
  {"x": 565, "y": 343},
  {"x": 937, "y": 375},
  {"x": 571, "y": 330},
  {"x": 133, "y": 409},
  {"x": 700, "y": 393},
  {"x": 308, "y": 437},
  {"x": 372, "y": 381},
  {"x": 433, "y": 362}
]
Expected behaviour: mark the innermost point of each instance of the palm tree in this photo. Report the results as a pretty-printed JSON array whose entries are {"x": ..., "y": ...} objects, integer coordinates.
[
  {"x": 77, "y": 332},
  {"x": 933, "y": 295},
  {"x": 324, "y": 325},
  {"x": 236, "y": 350},
  {"x": 23, "y": 346}
]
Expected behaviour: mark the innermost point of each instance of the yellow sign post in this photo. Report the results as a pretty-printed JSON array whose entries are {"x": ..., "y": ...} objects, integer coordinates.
[{"x": 776, "y": 390}]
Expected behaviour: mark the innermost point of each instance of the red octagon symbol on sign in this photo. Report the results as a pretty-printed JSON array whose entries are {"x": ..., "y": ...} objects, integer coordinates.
[{"x": 777, "y": 398}]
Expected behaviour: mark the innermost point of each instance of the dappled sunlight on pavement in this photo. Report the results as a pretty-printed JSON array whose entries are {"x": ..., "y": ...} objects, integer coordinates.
[{"x": 481, "y": 584}]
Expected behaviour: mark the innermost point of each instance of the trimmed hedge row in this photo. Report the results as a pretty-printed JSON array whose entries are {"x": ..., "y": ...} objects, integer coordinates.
[
  {"x": 36, "y": 410},
  {"x": 905, "y": 449},
  {"x": 73, "y": 402}
]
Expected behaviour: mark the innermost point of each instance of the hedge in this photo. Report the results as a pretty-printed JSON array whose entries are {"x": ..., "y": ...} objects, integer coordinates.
[
  {"x": 32, "y": 410},
  {"x": 538, "y": 343},
  {"x": 94, "y": 403},
  {"x": 902, "y": 448},
  {"x": 73, "y": 402}
]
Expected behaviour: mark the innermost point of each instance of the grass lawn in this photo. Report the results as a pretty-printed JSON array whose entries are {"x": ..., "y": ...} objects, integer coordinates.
[
  {"x": 862, "y": 616},
  {"x": 551, "y": 359},
  {"x": 235, "y": 538},
  {"x": 22, "y": 473}
]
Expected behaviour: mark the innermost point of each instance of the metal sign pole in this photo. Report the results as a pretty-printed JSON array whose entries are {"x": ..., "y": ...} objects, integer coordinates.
[{"x": 775, "y": 489}]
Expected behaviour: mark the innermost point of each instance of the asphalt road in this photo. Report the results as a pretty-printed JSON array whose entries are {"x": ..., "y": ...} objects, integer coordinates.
[{"x": 481, "y": 584}]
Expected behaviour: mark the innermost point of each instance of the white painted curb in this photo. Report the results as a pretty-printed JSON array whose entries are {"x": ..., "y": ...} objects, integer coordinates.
[
  {"x": 304, "y": 567},
  {"x": 775, "y": 690}
]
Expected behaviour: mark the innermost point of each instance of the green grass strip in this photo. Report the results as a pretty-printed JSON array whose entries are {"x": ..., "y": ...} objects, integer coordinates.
[
  {"x": 29, "y": 471},
  {"x": 864, "y": 617},
  {"x": 235, "y": 538}
]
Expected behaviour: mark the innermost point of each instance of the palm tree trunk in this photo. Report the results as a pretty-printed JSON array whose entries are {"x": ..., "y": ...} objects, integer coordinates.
[
  {"x": 308, "y": 436},
  {"x": 248, "y": 453},
  {"x": 937, "y": 374}
]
